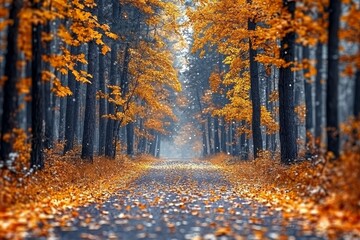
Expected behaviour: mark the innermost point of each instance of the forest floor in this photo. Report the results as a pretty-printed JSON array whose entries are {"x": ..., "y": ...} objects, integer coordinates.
[
  {"x": 325, "y": 193},
  {"x": 182, "y": 199},
  {"x": 179, "y": 199},
  {"x": 29, "y": 202}
]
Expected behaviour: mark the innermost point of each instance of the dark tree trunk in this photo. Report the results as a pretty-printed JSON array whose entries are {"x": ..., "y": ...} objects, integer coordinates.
[
  {"x": 309, "y": 105},
  {"x": 48, "y": 141},
  {"x": 87, "y": 152},
  {"x": 298, "y": 102},
  {"x": 142, "y": 140},
  {"x": 49, "y": 136},
  {"x": 268, "y": 90},
  {"x": 37, "y": 157},
  {"x": 229, "y": 139},
  {"x": 246, "y": 148},
  {"x": 130, "y": 139},
  {"x": 10, "y": 98},
  {"x": 234, "y": 147},
  {"x": 124, "y": 90},
  {"x": 28, "y": 101},
  {"x": 211, "y": 148},
  {"x": 274, "y": 111},
  {"x": 223, "y": 136},
  {"x": 62, "y": 113},
  {"x": 216, "y": 135},
  {"x": 152, "y": 149},
  {"x": 318, "y": 95},
  {"x": 286, "y": 95},
  {"x": 332, "y": 95},
  {"x": 205, "y": 146},
  {"x": 70, "y": 111},
  {"x": 158, "y": 146},
  {"x": 357, "y": 95},
  {"x": 244, "y": 143},
  {"x": 102, "y": 101},
  {"x": 255, "y": 95},
  {"x": 203, "y": 126},
  {"x": 76, "y": 116},
  {"x": 54, "y": 105},
  {"x": 110, "y": 124}
]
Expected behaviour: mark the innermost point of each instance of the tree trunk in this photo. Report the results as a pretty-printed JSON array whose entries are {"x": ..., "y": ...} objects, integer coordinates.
[
  {"x": 102, "y": 101},
  {"x": 255, "y": 95},
  {"x": 28, "y": 101},
  {"x": 223, "y": 136},
  {"x": 78, "y": 98},
  {"x": 124, "y": 81},
  {"x": 244, "y": 143},
  {"x": 298, "y": 102},
  {"x": 309, "y": 106},
  {"x": 54, "y": 104},
  {"x": 70, "y": 111},
  {"x": 152, "y": 149},
  {"x": 49, "y": 136},
  {"x": 62, "y": 112},
  {"x": 269, "y": 104},
  {"x": 87, "y": 152},
  {"x": 234, "y": 146},
  {"x": 332, "y": 95},
  {"x": 216, "y": 135},
  {"x": 203, "y": 126},
  {"x": 142, "y": 140},
  {"x": 110, "y": 124},
  {"x": 109, "y": 146},
  {"x": 10, "y": 97},
  {"x": 286, "y": 95},
  {"x": 37, "y": 157},
  {"x": 318, "y": 95},
  {"x": 357, "y": 95},
  {"x": 158, "y": 146},
  {"x": 205, "y": 145},
  {"x": 130, "y": 139},
  {"x": 210, "y": 135}
]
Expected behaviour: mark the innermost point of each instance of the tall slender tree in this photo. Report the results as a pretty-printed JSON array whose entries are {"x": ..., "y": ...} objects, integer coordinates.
[
  {"x": 255, "y": 92},
  {"x": 87, "y": 152},
  {"x": 356, "y": 110},
  {"x": 110, "y": 125},
  {"x": 319, "y": 95},
  {"x": 10, "y": 97},
  {"x": 37, "y": 157},
  {"x": 70, "y": 111},
  {"x": 332, "y": 95},
  {"x": 102, "y": 101},
  {"x": 308, "y": 103},
  {"x": 286, "y": 94}
]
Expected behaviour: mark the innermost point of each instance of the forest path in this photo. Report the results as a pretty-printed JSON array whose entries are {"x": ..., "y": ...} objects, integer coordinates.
[{"x": 180, "y": 199}]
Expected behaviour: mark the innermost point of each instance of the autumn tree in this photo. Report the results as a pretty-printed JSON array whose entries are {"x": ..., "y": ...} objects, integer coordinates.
[
  {"x": 255, "y": 92},
  {"x": 332, "y": 95},
  {"x": 241, "y": 56},
  {"x": 37, "y": 157},
  {"x": 10, "y": 95},
  {"x": 90, "y": 112},
  {"x": 286, "y": 92}
]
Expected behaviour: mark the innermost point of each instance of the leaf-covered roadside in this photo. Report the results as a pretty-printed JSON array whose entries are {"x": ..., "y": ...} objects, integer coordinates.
[
  {"x": 327, "y": 193},
  {"x": 64, "y": 184}
]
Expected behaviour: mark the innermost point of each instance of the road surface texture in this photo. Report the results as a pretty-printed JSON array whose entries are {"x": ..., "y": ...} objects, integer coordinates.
[{"x": 181, "y": 199}]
